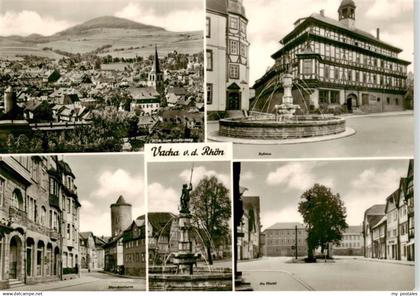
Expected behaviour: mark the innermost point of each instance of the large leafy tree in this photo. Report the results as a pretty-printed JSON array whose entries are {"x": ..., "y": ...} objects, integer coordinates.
[
  {"x": 324, "y": 214},
  {"x": 211, "y": 209}
]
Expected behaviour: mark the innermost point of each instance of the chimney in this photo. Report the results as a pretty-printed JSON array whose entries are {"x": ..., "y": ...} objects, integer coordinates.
[
  {"x": 322, "y": 12},
  {"x": 378, "y": 33}
]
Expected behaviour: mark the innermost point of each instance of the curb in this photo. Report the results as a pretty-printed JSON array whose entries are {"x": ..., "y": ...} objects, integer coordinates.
[
  {"x": 406, "y": 263},
  {"x": 122, "y": 275}
]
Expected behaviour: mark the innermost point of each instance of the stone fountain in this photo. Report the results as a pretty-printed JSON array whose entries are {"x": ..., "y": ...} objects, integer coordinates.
[
  {"x": 185, "y": 259},
  {"x": 284, "y": 124},
  {"x": 184, "y": 273}
]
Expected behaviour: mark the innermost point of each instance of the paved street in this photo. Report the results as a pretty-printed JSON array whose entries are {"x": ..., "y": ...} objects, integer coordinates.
[
  {"x": 379, "y": 135},
  {"x": 93, "y": 281},
  {"x": 345, "y": 274}
]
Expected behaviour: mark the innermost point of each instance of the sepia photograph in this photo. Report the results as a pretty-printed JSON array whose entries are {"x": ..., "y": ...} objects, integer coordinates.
[
  {"x": 189, "y": 226},
  {"x": 304, "y": 79},
  {"x": 100, "y": 76},
  {"x": 344, "y": 225},
  {"x": 72, "y": 223}
]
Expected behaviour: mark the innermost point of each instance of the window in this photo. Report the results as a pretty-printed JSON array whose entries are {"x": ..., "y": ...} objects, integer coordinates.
[
  {"x": 68, "y": 231},
  {"x": 2, "y": 185},
  {"x": 234, "y": 71},
  {"x": 208, "y": 23},
  {"x": 17, "y": 200},
  {"x": 209, "y": 54},
  {"x": 334, "y": 96},
  {"x": 397, "y": 101},
  {"x": 243, "y": 27},
  {"x": 234, "y": 22},
  {"x": 307, "y": 66},
  {"x": 209, "y": 93},
  {"x": 327, "y": 71},
  {"x": 43, "y": 216},
  {"x": 388, "y": 101},
  {"x": 242, "y": 49},
  {"x": 234, "y": 46},
  {"x": 337, "y": 73}
]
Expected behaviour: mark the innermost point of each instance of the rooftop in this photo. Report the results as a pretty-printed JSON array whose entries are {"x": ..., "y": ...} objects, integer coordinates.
[{"x": 286, "y": 225}]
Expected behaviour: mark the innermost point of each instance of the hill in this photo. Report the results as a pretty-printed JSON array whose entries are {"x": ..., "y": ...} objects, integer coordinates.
[
  {"x": 123, "y": 38},
  {"x": 109, "y": 22}
]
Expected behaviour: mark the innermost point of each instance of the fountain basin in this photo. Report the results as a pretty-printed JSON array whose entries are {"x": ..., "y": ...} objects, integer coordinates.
[
  {"x": 300, "y": 126},
  {"x": 165, "y": 279}
]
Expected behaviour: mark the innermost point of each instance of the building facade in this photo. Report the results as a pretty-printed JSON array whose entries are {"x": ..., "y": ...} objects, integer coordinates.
[
  {"x": 227, "y": 55},
  {"x": 409, "y": 197},
  {"x": 39, "y": 212},
  {"x": 351, "y": 243},
  {"x": 134, "y": 248},
  {"x": 388, "y": 230},
  {"x": 280, "y": 240},
  {"x": 392, "y": 231},
  {"x": 91, "y": 251},
  {"x": 336, "y": 66},
  {"x": 250, "y": 228},
  {"x": 372, "y": 217}
]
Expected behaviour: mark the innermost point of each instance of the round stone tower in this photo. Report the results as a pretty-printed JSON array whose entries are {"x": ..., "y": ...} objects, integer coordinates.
[
  {"x": 9, "y": 100},
  {"x": 120, "y": 216}
]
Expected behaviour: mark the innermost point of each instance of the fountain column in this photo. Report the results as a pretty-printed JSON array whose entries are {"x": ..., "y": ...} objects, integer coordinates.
[
  {"x": 287, "y": 109},
  {"x": 184, "y": 258}
]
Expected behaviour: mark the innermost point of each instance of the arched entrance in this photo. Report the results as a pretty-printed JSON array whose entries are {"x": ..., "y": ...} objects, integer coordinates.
[
  {"x": 351, "y": 102},
  {"x": 40, "y": 254},
  {"x": 233, "y": 97},
  {"x": 30, "y": 249},
  {"x": 56, "y": 261},
  {"x": 15, "y": 258}
]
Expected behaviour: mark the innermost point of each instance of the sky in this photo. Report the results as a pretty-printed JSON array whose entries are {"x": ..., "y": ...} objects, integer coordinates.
[
  {"x": 165, "y": 181},
  {"x": 100, "y": 180},
  {"x": 46, "y": 17},
  {"x": 360, "y": 183},
  {"x": 271, "y": 20}
]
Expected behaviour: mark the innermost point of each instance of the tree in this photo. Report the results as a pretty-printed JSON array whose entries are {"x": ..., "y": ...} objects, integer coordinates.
[
  {"x": 210, "y": 206},
  {"x": 324, "y": 214}
]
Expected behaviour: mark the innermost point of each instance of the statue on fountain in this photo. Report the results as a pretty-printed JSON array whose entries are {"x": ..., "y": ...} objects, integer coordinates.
[
  {"x": 287, "y": 109},
  {"x": 185, "y": 199}
]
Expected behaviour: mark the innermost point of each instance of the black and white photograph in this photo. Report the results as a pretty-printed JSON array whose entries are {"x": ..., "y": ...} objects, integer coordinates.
[
  {"x": 189, "y": 226},
  {"x": 100, "y": 75},
  {"x": 343, "y": 225},
  {"x": 72, "y": 223},
  {"x": 305, "y": 79}
]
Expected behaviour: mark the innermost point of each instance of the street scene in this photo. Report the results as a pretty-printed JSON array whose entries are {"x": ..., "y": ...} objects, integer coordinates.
[
  {"x": 67, "y": 223},
  {"x": 345, "y": 225},
  {"x": 189, "y": 226},
  {"x": 107, "y": 80},
  {"x": 345, "y": 274},
  {"x": 341, "y": 75},
  {"x": 91, "y": 281}
]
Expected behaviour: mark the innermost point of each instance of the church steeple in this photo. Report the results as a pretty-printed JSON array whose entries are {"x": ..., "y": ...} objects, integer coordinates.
[
  {"x": 156, "y": 66},
  {"x": 347, "y": 13},
  {"x": 155, "y": 78}
]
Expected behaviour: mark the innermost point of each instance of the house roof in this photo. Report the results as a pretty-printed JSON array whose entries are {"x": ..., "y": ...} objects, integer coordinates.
[
  {"x": 85, "y": 235},
  {"x": 378, "y": 209},
  {"x": 381, "y": 221},
  {"x": 354, "y": 229},
  {"x": 336, "y": 23},
  {"x": 219, "y": 6},
  {"x": 286, "y": 225},
  {"x": 160, "y": 222},
  {"x": 120, "y": 201}
]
